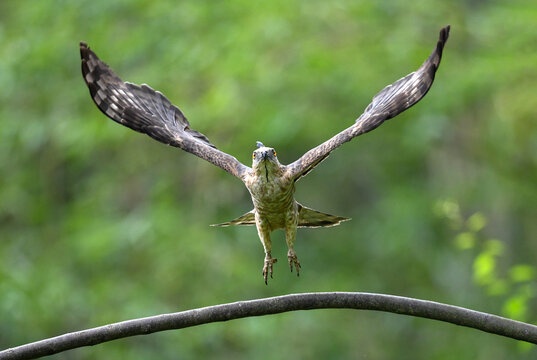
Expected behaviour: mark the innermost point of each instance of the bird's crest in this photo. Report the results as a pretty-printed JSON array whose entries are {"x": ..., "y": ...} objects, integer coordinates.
[{"x": 259, "y": 144}]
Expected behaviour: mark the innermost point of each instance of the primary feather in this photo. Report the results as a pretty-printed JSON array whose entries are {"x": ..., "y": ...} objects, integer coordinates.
[{"x": 148, "y": 111}]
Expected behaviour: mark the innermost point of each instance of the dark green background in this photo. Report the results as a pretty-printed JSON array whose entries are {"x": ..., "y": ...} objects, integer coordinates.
[{"x": 99, "y": 224}]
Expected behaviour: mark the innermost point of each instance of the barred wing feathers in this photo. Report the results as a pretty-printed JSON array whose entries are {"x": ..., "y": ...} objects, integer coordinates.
[
  {"x": 389, "y": 102},
  {"x": 148, "y": 111}
]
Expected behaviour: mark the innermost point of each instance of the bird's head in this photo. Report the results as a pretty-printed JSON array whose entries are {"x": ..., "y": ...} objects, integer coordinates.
[{"x": 264, "y": 156}]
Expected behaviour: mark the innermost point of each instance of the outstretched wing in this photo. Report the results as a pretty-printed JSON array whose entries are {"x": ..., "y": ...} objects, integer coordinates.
[
  {"x": 148, "y": 111},
  {"x": 391, "y": 101}
]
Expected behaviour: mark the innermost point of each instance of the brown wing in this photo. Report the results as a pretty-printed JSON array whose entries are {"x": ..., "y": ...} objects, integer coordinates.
[
  {"x": 148, "y": 111},
  {"x": 391, "y": 101}
]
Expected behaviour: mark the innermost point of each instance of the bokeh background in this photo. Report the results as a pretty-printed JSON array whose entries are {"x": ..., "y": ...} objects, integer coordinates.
[{"x": 100, "y": 224}]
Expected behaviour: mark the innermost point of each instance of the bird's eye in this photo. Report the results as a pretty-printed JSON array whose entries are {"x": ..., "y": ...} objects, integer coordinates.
[
  {"x": 253, "y": 156},
  {"x": 274, "y": 152}
]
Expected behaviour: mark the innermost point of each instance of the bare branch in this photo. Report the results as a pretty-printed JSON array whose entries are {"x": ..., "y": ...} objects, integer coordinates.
[{"x": 275, "y": 305}]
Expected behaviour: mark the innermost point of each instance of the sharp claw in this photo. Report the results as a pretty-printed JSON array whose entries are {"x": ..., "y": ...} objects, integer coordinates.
[
  {"x": 267, "y": 268},
  {"x": 293, "y": 262}
]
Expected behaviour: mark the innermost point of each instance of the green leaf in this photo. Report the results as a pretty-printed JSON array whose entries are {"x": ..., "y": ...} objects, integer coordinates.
[
  {"x": 449, "y": 208},
  {"x": 516, "y": 307},
  {"x": 521, "y": 273},
  {"x": 476, "y": 222},
  {"x": 484, "y": 266},
  {"x": 465, "y": 240}
]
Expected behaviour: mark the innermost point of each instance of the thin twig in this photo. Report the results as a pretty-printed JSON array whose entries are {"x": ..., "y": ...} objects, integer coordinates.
[{"x": 275, "y": 305}]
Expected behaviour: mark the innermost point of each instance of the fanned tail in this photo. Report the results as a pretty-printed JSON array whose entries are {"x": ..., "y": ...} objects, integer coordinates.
[
  {"x": 312, "y": 218},
  {"x": 306, "y": 218},
  {"x": 246, "y": 219}
]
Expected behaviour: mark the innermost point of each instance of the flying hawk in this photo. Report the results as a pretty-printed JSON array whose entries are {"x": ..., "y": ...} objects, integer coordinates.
[{"x": 270, "y": 183}]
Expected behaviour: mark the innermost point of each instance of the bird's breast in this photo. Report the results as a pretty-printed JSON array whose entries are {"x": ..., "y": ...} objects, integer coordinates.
[{"x": 271, "y": 196}]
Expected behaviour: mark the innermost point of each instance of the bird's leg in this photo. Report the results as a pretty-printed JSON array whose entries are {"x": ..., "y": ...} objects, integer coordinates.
[
  {"x": 267, "y": 268},
  {"x": 264, "y": 236},
  {"x": 290, "y": 235},
  {"x": 293, "y": 260}
]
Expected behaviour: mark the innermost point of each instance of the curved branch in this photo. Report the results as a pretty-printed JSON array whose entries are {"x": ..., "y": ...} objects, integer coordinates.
[{"x": 275, "y": 305}]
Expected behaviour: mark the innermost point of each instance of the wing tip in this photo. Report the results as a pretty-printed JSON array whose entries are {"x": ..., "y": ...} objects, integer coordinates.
[
  {"x": 442, "y": 39},
  {"x": 444, "y": 33},
  {"x": 85, "y": 56},
  {"x": 84, "y": 50}
]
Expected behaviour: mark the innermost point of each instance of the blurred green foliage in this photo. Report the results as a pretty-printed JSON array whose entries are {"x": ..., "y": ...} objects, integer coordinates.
[
  {"x": 514, "y": 283},
  {"x": 99, "y": 224}
]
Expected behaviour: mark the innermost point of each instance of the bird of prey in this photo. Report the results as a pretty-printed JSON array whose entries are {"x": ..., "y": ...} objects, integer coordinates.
[{"x": 270, "y": 183}]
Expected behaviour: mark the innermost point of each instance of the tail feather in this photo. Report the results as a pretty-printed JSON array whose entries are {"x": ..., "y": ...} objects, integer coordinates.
[
  {"x": 246, "y": 219},
  {"x": 312, "y": 218},
  {"x": 306, "y": 218}
]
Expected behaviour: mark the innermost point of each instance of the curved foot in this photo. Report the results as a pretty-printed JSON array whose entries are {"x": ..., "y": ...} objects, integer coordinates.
[
  {"x": 267, "y": 268},
  {"x": 293, "y": 260}
]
